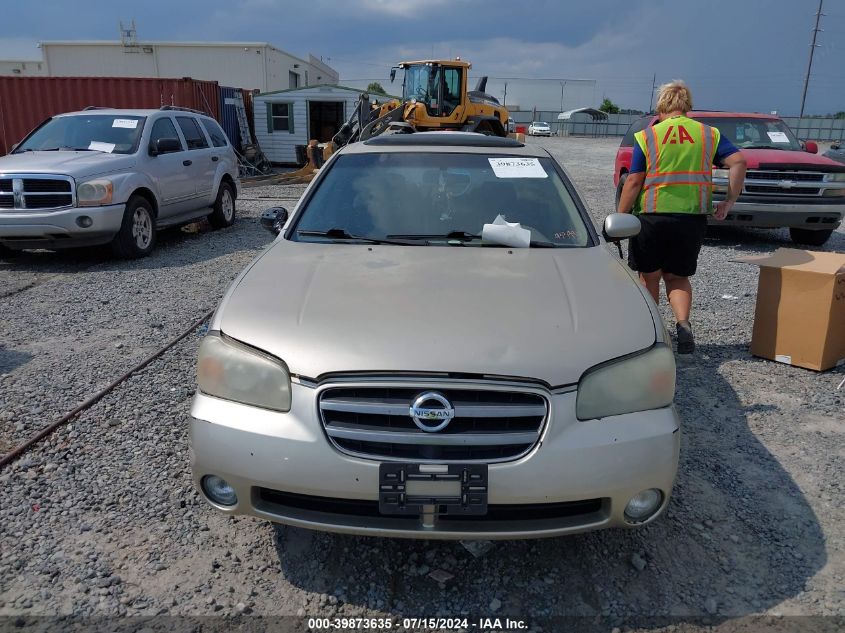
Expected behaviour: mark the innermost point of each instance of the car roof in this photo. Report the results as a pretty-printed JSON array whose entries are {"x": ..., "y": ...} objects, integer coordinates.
[
  {"x": 718, "y": 114},
  {"x": 129, "y": 112},
  {"x": 466, "y": 142}
]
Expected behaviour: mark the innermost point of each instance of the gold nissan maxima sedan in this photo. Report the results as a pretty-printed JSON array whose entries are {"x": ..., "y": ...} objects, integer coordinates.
[{"x": 438, "y": 344}]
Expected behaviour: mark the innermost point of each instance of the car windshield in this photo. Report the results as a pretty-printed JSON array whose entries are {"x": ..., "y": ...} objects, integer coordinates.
[
  {"x": 111, "y": 133},
  {"x": 440, "y": 198},
  {"x": 749, "y": 132}
]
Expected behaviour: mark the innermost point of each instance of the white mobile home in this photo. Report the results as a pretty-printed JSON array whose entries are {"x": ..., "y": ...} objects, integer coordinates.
[{"x": 287, "y": 118}]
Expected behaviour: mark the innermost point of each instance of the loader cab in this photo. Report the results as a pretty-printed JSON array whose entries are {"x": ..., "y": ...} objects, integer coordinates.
[{"x": 440, "y": 87}]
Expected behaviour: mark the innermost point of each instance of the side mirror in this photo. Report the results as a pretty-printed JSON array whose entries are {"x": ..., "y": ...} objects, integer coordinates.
[
  {"x": 274, "y": 219},
  {"x": 166, "y": 146},
  {"x": 620, "y": 226},
  {"x": 392, "y": 74},
  {"x": 811, "y": 147}
]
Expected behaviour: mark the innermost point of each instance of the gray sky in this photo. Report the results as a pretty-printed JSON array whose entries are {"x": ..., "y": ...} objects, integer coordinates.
[{"x": 734, "y": 54}]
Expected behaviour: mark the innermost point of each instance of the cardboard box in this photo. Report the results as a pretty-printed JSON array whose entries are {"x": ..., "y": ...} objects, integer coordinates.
[{"x": 800, "y": 313}]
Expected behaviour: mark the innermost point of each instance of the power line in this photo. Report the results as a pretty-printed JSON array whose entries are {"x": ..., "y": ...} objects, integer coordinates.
[{"x": 812, "y": 50}]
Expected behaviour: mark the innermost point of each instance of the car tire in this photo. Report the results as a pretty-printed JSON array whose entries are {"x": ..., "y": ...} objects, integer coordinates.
[
  {"x": 810, "y": 237},
  {"x": 137, "y": 235},
  {"x": 8, "y": 253},
  {"x": 224, "y": 207},
  {"x": 619, "y": 188}
]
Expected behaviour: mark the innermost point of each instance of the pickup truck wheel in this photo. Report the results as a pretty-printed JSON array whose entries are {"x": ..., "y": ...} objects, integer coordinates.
[
  {"x": 619, "y": 188},
  {"x": 224, "y": 207},
  {"x": 809, "y": 236},
  {"x": 137, "y": 235}
]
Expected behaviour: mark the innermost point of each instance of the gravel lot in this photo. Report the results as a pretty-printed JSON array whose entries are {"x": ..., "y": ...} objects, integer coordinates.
[{"x": 102, "y": 519}]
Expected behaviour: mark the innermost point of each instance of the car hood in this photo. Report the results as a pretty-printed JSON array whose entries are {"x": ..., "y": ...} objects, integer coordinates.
[
  {"x": 794, "y": 159},
  {"x": 68, "y": 163},
  {"x": 538, "y": 314}
]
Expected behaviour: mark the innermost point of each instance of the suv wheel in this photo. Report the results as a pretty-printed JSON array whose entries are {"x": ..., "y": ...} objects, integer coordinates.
[
  {"x": 224, "y": 207},
  {"x": 137, "y": 235},
  {"x": 809, "y": 236}
]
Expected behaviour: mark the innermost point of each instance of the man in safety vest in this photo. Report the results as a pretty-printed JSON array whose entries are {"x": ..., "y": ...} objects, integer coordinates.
[{"x": 670, "y": 188}]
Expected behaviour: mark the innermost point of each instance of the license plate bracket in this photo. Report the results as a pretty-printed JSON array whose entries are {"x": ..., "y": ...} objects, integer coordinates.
[{"x": 450, "y": 488}]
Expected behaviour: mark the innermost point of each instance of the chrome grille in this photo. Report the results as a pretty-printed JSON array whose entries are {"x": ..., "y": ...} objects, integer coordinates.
[
  {"x": 489, "y": 424},
  {"x": 757, "y": 174},
  {"x": 768, "y": 182},
  {"x": 42, "y": 192}
]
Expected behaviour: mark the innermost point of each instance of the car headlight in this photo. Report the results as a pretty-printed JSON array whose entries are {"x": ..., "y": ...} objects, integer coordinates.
[
  {"x": 721, "y": 173},
  {"x": 94, "y": 193},
  {"x": 232, "y": 371},
  {"x": 634, "y": 383},
  {"x": 834, "y": 177}
]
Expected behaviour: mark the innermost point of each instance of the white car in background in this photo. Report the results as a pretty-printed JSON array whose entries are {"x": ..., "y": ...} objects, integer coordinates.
[{"x": 539, "y": 128}]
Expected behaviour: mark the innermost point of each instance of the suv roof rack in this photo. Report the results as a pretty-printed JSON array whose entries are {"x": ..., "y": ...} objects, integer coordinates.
[
  {"x": 456, "y": 139},
  {"x": 181, "y": 109}
]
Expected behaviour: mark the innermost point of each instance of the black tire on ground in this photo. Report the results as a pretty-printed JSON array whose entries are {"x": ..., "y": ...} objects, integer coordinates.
[
  {"x": 8, "y": 253},
  {"x": 622, "y": 180},
  {"x": 224, "y": 207},
  {"x": 810, "y": 237},
  {"x": 137, "y": 235}
]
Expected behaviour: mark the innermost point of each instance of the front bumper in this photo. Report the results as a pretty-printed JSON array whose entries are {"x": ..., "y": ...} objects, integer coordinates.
[
  {"x": 816, "y": 214},
  {"x": 579, "y": 477},
  {"x": 23, "y": 228}
]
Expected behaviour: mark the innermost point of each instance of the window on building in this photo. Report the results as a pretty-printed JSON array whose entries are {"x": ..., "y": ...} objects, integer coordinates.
[
  {"x": 193, "y": 135},
  {"x": 163, "y": 128},
  {"x": 218, "y": 137},
  {"x": 293, "y": 79},
  {"x": 280, "y": 117}
]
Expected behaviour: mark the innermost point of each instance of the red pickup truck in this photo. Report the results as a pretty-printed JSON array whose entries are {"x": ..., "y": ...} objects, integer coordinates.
[{"x": 787, "y": 185}]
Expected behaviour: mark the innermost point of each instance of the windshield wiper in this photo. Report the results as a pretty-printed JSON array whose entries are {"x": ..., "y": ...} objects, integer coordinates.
[
  {"x": 465, "y": 236},
  {"x": 452, "y": 235},
  {"x": 343, "y": 234},
  {"x": 765, "y": 147}
]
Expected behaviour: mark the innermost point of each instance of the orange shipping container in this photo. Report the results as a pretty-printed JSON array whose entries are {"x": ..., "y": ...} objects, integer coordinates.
[{"x": 25, "y": 102}]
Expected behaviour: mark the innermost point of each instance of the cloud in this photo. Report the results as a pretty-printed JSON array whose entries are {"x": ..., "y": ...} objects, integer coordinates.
[{"x": 403, "y": 8}]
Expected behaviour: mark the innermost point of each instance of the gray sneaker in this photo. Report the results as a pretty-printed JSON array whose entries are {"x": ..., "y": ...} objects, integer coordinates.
[{"x": 686, "y": 342}]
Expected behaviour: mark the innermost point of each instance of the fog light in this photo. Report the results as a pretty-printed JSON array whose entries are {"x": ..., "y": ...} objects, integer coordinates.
[
  {"x": 643, "y": 505},
  {"x": 84, "y": 221},
  {"x": 219, "y": 491}
]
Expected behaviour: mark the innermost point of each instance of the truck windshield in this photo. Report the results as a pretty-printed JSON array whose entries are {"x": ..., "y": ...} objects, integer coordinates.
[
  {"x": 440, "y": 198},
  {"x": 111, "y": 133},
  {"x": 748, "y": 132}
]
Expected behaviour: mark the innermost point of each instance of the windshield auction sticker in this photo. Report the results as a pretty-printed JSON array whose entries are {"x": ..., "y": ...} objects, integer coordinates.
[
  {"x": 517, "y": 168},
  {"x": 130, "y": 124},
  {"x": 778, "y": 137}
]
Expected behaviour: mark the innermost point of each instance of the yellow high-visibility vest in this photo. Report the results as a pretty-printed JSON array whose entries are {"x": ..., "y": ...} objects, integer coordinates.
[{"x": 679, "y": 158}]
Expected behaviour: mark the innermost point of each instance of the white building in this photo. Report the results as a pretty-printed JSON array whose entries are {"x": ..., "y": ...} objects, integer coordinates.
[
  {"x": 287, "y": 118},
  {"x": 250, "y": 65}
]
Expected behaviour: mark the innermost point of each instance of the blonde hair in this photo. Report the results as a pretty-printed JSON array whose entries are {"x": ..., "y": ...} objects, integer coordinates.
[{"x": 674, "y": 97}]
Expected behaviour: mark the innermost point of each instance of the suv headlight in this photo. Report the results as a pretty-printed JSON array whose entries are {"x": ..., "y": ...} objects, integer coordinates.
[
  {"x": 634, "y": 383},
  {"x": 232, "y": 371},
  {"x": 834, "y": 177},
  {"x": 721, "y": 173},
  {"x": 94, "y": 193}
]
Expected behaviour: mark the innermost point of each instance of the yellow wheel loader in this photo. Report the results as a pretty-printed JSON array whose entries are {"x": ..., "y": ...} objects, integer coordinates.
[{"x": 435, "y": 96}]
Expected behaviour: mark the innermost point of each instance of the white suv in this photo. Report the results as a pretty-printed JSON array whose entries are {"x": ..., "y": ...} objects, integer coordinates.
[{"x": 115, "y": 176}]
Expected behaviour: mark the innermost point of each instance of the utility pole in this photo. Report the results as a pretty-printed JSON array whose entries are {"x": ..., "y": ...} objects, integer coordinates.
[
  {"x": 653, "y": 83},
  {"x": 562, "y": 86},
  {"x": 810, "y": 64},
  {"x": 505, "y": 98}
]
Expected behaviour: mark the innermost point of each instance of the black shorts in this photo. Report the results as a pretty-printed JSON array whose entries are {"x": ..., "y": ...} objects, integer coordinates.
[{"x": 670, "y": 243}]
